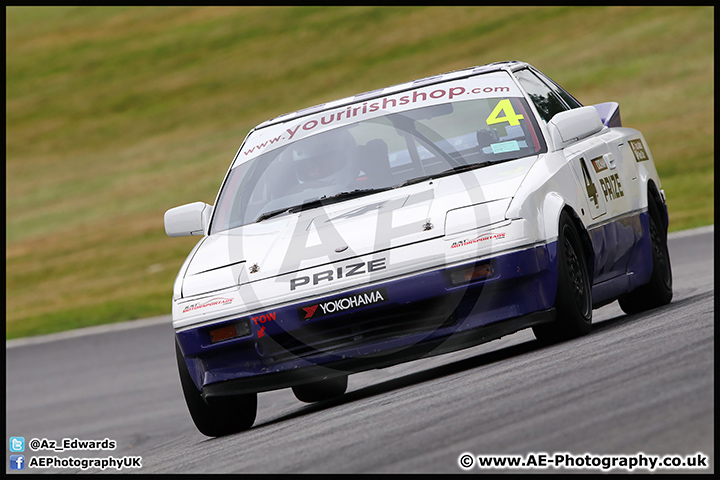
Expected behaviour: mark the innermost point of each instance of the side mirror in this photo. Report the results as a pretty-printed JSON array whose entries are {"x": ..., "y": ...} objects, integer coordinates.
[
  {"x": 572, "y": 125},
  {"x": 190, "y": 219}
]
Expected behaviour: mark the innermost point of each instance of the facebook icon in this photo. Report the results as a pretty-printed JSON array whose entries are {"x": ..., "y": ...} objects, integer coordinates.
[{"x": 17, "y": 462}]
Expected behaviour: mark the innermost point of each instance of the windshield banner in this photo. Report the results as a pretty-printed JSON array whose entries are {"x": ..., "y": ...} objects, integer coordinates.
[{"x": 496, "y": 84}]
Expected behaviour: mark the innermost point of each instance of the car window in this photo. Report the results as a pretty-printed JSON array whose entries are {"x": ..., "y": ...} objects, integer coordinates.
[
  {"x": 547, "y": 101},
  {"x": 380, "y": 153},
  {"x": 569, "y": 99}
]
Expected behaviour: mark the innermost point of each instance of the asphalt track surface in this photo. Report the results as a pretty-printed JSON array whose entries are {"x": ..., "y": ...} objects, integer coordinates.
[{"x": 636, "y": 384}]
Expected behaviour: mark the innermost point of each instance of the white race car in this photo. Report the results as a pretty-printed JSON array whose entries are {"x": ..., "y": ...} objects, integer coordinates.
[{"x": 406, "y": 222}]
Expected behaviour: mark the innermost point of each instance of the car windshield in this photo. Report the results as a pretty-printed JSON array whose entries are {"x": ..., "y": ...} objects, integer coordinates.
[{"x": 376, "y": 154}]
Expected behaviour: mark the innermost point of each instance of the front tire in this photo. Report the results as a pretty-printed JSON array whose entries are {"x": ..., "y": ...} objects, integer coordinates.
[
  {"x": 658, "y": 291},
  {"x": 222, "y": 416},
  {"x": 573, "y": 301},
  {"x": 321, "y": 390}
]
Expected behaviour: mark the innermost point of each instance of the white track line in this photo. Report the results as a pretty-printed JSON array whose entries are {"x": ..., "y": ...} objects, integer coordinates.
[
  {"x": 692, "y": 231},
  {"x": 82, "y": 332}
]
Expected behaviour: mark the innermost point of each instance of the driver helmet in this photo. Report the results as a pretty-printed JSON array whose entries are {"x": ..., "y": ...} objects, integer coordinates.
[{"x": 328, "y": 157}]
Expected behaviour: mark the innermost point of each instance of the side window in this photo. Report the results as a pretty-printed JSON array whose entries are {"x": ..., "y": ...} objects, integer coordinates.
[
  {"x": 547, "y": 102},
  {"x": 569, "y": 99}
]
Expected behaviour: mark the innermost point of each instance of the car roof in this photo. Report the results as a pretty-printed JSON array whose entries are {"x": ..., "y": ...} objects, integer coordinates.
[{"x": 509, "y": 66}]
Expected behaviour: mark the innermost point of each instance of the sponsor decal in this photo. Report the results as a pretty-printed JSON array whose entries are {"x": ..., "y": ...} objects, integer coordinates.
[
  {"x": 309, "y": 311},
  {"x": 599, "y": 164},
  {"x": 482, "y": 86},
  {"x": 638, "y": 149},
  {"x": 215, "y": 302},
  {"x": 349, "y": 302},
  {"x": 338, "y": 273},
  {"x": 481, "y": 238},
  {"x": 611, "y": 187}
]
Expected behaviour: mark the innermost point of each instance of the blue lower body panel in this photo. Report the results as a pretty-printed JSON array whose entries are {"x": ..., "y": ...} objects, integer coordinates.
[
  {"x": 623, "y": 257},
  {"x": 378, "y": 325}
]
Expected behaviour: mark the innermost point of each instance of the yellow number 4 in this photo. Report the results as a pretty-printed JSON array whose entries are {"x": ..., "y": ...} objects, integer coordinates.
[{"x": 510, "y": 116}]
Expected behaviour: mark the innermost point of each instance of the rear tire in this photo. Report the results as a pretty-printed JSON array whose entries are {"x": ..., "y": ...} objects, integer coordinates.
[
  {"x": 321, "y": 390},
  {"x": 573, "y": 301},
  {"x": 658, "y": 291},
  {"x": 222, "y": 416}
]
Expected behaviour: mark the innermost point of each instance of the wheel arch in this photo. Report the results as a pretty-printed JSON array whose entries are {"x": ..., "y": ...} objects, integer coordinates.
[
  {"x": 553, "y": 207},
  {"x": 584, "y": 239},
  {"x": 654, "y": 196}
]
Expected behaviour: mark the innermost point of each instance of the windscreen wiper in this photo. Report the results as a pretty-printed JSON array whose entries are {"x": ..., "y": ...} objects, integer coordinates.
[
  {"x": 324, "y": 200},
  {"x": 338, "y": 197},
  {"x": 271, "y": 213}
]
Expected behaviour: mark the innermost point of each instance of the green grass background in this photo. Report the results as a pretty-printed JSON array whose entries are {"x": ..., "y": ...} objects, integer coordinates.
[{"x": 115, "y": 114}]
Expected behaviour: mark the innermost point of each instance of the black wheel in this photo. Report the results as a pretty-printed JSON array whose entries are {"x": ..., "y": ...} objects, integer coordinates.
[
  {"x": 658, "y": 291},
  {"x": 222, "y": 416},
  {"x": 321, "y": 390},
  {"x": 573, "y": 301}
]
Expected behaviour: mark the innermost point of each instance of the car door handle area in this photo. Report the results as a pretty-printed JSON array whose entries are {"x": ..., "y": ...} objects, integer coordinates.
[{"x": 609, "y": 160}]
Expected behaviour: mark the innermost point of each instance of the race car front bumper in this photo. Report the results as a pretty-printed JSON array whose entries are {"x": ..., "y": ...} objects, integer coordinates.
[{"x": 376, "y": 325}]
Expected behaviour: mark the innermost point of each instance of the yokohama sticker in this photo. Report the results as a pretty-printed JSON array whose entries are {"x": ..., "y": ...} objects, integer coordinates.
[
  {"x": 362, "y": 299},
  {"x": 215, "y": 302}
]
